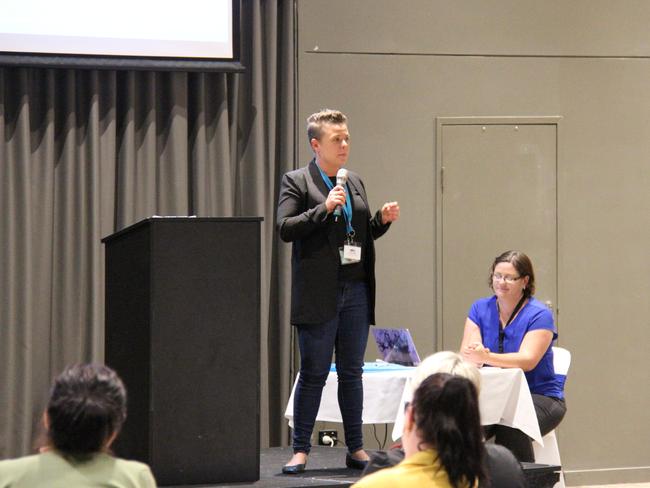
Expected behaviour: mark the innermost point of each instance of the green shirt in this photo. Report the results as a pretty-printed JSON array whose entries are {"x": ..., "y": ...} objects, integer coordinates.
[{"x": 51, "y": 470}]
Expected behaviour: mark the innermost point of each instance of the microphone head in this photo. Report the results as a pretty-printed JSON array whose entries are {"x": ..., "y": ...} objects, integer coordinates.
[{"x": 342, "y": 176}]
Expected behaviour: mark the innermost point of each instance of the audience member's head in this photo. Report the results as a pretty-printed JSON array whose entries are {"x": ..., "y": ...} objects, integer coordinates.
[
  {"x": 445, "y": 362},
  {"x": 86, "y": 409},
  {"x": 444, "y": 415}
]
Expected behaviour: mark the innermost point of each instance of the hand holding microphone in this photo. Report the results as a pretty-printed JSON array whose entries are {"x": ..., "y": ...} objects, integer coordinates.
[{"x": 336, "y": 197}]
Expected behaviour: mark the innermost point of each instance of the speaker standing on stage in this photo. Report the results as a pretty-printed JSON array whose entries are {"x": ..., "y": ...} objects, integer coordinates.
[{"x": 333, "y": 280}]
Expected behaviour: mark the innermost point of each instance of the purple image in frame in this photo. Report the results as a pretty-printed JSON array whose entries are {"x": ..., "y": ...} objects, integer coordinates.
[{"x": 396, "y": 346}]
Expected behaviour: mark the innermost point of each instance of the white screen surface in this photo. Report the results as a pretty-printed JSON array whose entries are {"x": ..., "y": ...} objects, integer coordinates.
[{"x": 147, "y": 28}]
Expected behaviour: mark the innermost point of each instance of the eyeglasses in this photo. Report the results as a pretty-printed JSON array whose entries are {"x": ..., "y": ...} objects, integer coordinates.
[{"x": 506, "y": 278}]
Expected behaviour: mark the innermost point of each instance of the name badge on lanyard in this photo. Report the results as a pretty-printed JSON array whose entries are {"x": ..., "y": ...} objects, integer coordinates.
[{"x": 351, "y": 251}]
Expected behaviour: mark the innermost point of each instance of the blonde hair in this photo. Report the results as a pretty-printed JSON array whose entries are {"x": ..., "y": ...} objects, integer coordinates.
[{"x": 445, "y": 362}]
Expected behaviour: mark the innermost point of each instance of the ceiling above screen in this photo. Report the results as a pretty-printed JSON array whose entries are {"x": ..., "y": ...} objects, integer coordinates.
[{"x": 195, "y": 35}]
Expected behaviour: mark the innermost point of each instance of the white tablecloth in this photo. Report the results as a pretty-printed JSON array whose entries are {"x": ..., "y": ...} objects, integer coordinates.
[
  {"x": 505, "y": 399},
  {"x": 383, "y": 385}
]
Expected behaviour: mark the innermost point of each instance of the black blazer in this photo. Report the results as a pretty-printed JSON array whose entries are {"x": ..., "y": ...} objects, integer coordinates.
[{"x": 303, "y": 220}]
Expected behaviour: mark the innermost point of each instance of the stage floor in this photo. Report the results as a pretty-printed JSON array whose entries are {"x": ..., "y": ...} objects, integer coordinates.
[{"x": 326, "y": 468}]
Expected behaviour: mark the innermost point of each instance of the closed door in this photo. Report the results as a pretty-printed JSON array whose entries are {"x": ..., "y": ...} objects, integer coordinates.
[{"x": 498, "y": 191}]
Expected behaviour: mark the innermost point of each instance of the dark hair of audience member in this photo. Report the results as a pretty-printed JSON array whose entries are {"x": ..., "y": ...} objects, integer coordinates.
[
  {"x": 446, "y": 416},
  {"x": 87, "y": 406}
]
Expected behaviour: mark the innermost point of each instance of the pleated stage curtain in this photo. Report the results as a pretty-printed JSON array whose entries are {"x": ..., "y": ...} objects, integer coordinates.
[{"x": 84, "y": 153}]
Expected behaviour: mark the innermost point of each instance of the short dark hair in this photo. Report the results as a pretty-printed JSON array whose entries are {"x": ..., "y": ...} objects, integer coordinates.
[
  {"x": 87, "y": 405},
  {"x": 522, "y": 264},
  {"x": 446, "y": 416},
  {"x": 326, "y": 116}
]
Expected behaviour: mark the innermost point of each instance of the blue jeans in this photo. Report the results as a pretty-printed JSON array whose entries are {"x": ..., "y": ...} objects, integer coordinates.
[{"x": 347, "y": 335}]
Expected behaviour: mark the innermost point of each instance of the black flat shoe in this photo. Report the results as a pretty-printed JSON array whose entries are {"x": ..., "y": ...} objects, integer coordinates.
[
  {"x": 352, "y": 463},
  {"x": 293, "y": 469}
]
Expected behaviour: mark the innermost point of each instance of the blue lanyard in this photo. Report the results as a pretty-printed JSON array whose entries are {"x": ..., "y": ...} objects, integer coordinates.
[{"x": 347, "y": 208}]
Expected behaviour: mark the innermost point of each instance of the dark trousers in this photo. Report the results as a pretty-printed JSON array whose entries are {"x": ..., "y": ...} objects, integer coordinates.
[
  {"x": 550, "y": 412},
  {"x": 346, "y": 335}
]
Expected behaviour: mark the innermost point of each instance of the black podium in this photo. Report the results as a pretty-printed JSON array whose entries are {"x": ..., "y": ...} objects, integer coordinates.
[{"x": 183, "y": 332}]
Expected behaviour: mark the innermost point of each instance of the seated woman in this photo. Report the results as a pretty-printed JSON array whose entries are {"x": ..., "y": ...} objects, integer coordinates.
[
  {"x": 502, "y": 468},
  {"x": 86, "y": 409},
  {"x": 442, "y": 439},
  {"x": 511, "y": 329}
]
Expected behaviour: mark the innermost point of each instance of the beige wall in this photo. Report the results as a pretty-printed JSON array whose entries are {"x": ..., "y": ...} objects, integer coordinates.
[{"x": 394, "y": 66}]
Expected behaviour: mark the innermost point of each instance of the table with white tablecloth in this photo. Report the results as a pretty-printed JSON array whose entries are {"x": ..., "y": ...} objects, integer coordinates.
[
  {"x": 504, "y": 399},
  {"x": 383, "y": 384}
]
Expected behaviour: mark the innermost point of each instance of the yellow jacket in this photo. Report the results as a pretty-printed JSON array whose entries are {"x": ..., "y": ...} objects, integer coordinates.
[{"x": 422, "y": 470}]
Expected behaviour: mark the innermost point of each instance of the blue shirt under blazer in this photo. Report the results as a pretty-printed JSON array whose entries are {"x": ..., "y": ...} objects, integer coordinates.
[
  {"x": 303, "y": 220},
  {"x": 542, "y": 380}
]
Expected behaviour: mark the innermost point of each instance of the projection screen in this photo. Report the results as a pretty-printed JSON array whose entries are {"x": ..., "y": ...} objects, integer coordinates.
[{"x": 129, "y": 34}]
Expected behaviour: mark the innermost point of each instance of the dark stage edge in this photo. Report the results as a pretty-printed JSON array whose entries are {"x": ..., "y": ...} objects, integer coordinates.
[{"x": 326, "y": 468}]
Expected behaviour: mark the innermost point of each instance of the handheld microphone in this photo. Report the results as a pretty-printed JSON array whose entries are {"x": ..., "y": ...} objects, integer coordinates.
[{"x": 341, "y": 180}]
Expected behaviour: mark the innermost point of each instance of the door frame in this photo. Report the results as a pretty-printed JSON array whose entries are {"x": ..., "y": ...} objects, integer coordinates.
[{"x": 439, "y": 182}]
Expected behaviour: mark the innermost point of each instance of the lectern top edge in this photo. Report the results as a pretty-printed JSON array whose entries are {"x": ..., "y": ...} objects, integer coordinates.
[{"x": 175, "y": 218}]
